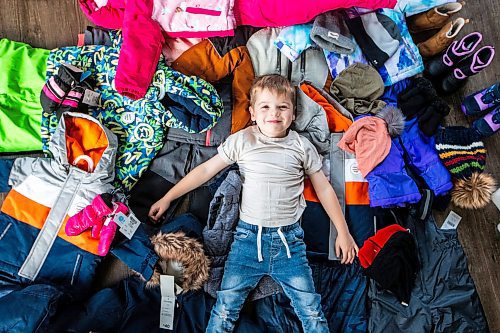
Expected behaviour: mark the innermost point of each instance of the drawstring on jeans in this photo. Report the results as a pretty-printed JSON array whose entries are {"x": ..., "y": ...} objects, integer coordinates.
[
  {"x": 284, "y": 242},
  {"x": 259, "y": 243}
]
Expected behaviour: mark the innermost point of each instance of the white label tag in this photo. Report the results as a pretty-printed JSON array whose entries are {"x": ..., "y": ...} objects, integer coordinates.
[
  {"x": 352, "y": 173},
  {"x": 452, "y": 221},
  {"x": 333, "y": 35},
  {"x": 495, "y": 197},
  {"x": 128, "y": 224},
  {"x": 91, "y": 97},
  {"x": 167, "y": 302}
]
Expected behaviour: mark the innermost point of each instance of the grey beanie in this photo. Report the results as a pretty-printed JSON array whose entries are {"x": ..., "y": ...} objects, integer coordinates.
[{"x": 331, "y": 33}]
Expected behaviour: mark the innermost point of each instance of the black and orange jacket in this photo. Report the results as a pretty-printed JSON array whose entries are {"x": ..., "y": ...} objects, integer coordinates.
[
  {"x": 323, "y": 122},
  {"x": 219, "y": 57}
]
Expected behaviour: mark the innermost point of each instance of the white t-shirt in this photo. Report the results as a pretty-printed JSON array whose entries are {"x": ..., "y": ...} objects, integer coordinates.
[{"x": 272, "y": 173}]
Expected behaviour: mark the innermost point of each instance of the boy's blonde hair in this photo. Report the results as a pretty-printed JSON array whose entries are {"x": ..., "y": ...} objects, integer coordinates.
[{"x": 276, "y": 83}]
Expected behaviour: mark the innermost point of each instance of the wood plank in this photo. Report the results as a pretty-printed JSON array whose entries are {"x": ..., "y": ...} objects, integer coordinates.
[{"x": 56, "y": 23}]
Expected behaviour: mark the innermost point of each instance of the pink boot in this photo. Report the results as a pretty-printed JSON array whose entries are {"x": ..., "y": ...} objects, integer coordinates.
[
  {"x": 91, "y": 216},
  {"x": 108, "y": 231}
]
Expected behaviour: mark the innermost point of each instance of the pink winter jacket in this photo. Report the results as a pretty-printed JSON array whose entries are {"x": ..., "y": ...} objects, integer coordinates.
[
  {"x": 143, "y": 22},
  {"x": 277, "y": 13}
]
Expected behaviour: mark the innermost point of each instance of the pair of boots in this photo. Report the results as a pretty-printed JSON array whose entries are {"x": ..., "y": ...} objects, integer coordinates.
[
  {"x": 420, "y": 100},
  {"x": 98, "y": 216},
  {"x": 437, "y": 18},
  {"x": 480, "y": 102},
  {"x": 450, "y": 71}
]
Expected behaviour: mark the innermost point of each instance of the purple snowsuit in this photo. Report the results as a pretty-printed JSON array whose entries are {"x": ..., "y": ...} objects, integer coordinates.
[{"x": 389, "y": 182}]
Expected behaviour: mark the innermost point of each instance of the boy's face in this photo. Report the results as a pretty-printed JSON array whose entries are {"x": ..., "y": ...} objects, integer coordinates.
[{"x": 272, "y": 113}]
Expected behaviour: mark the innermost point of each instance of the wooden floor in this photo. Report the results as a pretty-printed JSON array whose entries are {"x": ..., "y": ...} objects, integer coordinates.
[{"x": 55, "y": 23}]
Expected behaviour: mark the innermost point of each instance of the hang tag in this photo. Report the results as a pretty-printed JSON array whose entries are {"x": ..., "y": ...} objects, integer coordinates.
[
  {"x": 452, "y": 221},
  {"x": 120, "y": 219},
  {"x": 128, "y": 224},
  {"x": 91, "y": 97},
  {"x": 495, "y": 197},
  {"x": 167, "y": 302}
]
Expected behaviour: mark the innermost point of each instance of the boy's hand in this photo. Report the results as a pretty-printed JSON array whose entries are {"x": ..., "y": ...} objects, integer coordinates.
[
  {"x": 158, "y": 208},
  {"x": 346, "y": 248}
]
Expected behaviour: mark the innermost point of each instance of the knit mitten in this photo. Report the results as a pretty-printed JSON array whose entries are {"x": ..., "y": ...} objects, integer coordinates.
[
  {"x": 432, "y": 116},
  {"x": 294, "y": 40},
  {"x": 413, "y": 100}
]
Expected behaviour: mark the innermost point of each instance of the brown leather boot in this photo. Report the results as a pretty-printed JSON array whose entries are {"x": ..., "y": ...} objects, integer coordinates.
[
  {"x": 434, "y": 18},
  {"x": 440, "y": 41}
]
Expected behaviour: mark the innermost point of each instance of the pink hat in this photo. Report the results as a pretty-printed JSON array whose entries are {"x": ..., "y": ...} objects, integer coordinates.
[{"x": 369, "y": 140}]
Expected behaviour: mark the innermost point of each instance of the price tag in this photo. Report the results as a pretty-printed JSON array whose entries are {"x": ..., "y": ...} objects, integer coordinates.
[
  {"x": 167, "y": 302},
  {"x": 91, "y": 97},
  {"x": 452, "y": 221},
  {"x": 128, "y": 224},
  {"x": 495, "y": 197}
]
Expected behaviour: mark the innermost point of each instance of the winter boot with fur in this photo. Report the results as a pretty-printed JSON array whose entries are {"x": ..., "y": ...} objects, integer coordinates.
[
  {"x": 92, "y": 216},
  {"x": 434, "y": 18},
  {"x": 440, "y": 41},
  {"x": 456, "y": 52},
  {"x": 467, "y": 67}
]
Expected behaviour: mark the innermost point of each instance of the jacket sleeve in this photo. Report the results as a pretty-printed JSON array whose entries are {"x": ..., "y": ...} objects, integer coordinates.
[
  {"x": 5, "y": 167},
  {"x": 109, "y": 16},
  {"x": 141, "y": 49},
  {"x": 205, "y": 61}
]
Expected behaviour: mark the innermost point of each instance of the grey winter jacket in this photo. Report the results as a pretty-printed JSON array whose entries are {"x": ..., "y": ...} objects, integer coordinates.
[{"x": 218, "y": 236}]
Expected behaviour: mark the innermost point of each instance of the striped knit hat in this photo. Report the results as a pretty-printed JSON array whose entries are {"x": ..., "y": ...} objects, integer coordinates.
[
  {"x": 464, "y": 155},
  {"x": 461, "y": 151}
]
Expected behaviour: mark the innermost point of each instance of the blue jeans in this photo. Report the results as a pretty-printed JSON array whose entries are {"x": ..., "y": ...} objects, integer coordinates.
[{"x": 290, "y": 269}]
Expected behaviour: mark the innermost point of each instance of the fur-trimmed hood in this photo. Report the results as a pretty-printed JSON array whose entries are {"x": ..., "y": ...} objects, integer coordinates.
[{"x": 185, "y": 250}]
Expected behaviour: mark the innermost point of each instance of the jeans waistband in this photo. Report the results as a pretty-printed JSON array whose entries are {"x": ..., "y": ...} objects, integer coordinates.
[{"x": 267, "y": 230}]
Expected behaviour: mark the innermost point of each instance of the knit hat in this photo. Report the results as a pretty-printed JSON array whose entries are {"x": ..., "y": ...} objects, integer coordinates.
[
  {"x": 464, "y": 155},
  {"x": 357, "y": 88},
  {"x": 377, "y": 36},
  {"x": 369, "y": 140},
  {"x": 330, "y": 33},
  {"x": 390, "y": 258}
]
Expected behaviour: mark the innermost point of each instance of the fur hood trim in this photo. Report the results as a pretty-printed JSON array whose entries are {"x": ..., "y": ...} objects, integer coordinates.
[{"x": 186, "y": 250}]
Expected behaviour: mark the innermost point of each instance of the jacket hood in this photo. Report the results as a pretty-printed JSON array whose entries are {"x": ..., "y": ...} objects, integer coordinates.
[
  {"x": 318, "y": 115},
  {"x": 267, "y": 59},
  {"x": 188, "y": 252},
  {"x": 82, "y": 141}
]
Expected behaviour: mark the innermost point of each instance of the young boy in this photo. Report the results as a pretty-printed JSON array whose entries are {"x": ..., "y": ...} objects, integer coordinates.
[{"x": 268, "y": 240}]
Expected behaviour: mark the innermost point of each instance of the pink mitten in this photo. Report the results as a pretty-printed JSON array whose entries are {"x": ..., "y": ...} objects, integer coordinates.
[
  {"x": 108, "y": 230},
  {"x": 92, "y": 216}
]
